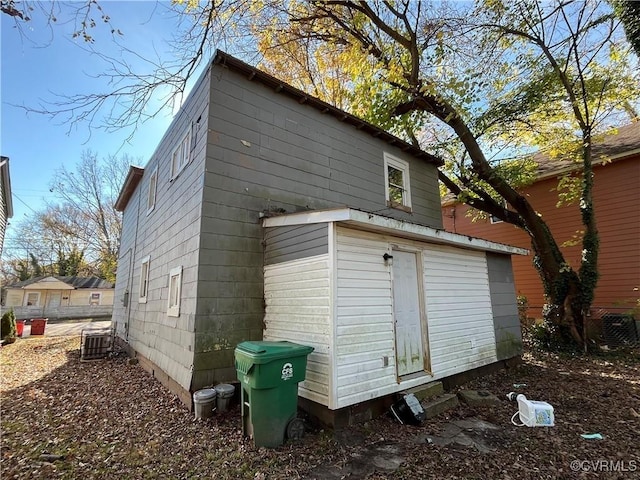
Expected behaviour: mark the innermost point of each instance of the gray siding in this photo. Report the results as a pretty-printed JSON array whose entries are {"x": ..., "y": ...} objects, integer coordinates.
[
  {"x": 283, "y": 244},
  {"x": 505, "y": 309},
  {"x": 256, "y": 151},
  {"x": 277, "y": 154},
  {"x": 267, "y": 152},
  {"x": 170, "y": 236}
]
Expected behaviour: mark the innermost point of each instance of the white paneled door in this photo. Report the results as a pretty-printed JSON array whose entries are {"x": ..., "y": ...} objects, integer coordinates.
[
  {"x": 406, "y": 312},
  {"x": 54, "y": 299}
]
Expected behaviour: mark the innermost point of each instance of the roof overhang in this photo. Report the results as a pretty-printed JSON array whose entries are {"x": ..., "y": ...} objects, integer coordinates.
[
  {"x": 390, "y": 226},
  {"x": 451, "y": 199},
  {"x": 130, "y": 183},
  {"x": 577, "y": 167},
  {"x": 6, "y": 182},
  {"x": 49, "y": 283},
  {"x": 253, "y": 74}
]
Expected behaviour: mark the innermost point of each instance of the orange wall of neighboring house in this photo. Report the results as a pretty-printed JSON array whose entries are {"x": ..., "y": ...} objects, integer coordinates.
[{"x": 617, "y": 203}]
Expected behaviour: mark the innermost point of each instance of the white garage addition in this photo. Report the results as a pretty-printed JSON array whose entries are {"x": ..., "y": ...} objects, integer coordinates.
[{"x": 387, "y": 305}]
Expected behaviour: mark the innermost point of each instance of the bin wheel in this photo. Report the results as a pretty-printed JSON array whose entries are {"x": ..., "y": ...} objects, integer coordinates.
[{"x": 295, "y": 429}]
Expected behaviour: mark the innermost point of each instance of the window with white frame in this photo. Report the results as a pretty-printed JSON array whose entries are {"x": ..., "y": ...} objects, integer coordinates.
[
  {"x": 175, "y": 291},
  {"x": 397, "y": 186},
  {"x": 494, "y": 219},
  {"x": 94, "y": 298},
  {"x": 195, "y": 128},
  {"x": 181, "y": 155},
  {"x": 33, "y": 299},
  {"x": 153, "y": 186},
  {"x": 144, "y": 280}
]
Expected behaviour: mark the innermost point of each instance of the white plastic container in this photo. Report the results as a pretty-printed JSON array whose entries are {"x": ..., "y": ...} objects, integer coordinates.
[
  {"x": 533, "y": 413},
  {"x": 203, "y": 402},
  {"x": 224, "y": 393}
]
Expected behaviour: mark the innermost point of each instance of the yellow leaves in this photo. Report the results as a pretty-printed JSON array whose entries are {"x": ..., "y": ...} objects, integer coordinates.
[
  {"x": 575, "y": 240},
  {"x": 616, "y": 54},
  {"x": 189, "y": 4},
  {"x": 565, "y": 268},
  {"x": 569, "y": 190},
  {"x": 496, "y": 6}
]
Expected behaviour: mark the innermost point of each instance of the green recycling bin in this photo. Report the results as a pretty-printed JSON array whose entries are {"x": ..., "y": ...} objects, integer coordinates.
[{"x": 269, "y": 373}]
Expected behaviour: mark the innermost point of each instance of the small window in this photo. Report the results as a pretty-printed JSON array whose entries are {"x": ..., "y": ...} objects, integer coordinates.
[
  {"x": 94, "y": 298},
  {"x": 33, "y": 299},
  {"x": 398, "y": 193},
  {"x": 181, "y": 155},
  {"x": 153, "y": 185},
  {"x": 175, "y": 290},
  {"x": 494, "y": 219},
  {"x": 144, "y": 280},
  {"x": 195, "y": 128}
]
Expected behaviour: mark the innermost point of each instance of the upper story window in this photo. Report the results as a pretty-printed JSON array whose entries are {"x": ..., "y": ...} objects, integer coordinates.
[
  {"x": 397, "y": 185},
  {"x": 144, "y": 280},
  {"x": 153, "y": 186},
  {"x": 181, "y": 155},
  {"x": 175, "y": 291}
]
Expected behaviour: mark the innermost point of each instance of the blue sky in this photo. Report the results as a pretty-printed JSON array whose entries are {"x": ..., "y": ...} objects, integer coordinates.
[{"x": 48, "y": 60}]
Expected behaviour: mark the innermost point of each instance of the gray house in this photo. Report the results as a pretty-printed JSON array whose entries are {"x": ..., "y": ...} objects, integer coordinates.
[{"x": 267, "y": 213}]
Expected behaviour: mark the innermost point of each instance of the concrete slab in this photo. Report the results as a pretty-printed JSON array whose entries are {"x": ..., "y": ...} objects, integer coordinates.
[
  {"x": 383, "y": 457},
  {"x": 478, "y": 398},
  {"x": 469, "y": 433}
]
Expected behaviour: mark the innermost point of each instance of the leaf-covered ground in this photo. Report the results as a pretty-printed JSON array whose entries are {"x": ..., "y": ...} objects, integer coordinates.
[{"x": 110, "y": 419}]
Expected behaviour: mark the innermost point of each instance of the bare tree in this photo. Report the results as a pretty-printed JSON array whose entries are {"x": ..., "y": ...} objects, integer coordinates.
[{"x": 80, "y": 230}]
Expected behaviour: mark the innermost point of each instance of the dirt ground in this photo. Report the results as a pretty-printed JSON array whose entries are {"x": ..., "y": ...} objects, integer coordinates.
[{"x": 62, "y": 418}]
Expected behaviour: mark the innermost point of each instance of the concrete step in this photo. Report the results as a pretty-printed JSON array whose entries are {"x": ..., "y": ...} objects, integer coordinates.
[
  {"x": 424, "y": 392},
  {"x": 440, "y": 404}
]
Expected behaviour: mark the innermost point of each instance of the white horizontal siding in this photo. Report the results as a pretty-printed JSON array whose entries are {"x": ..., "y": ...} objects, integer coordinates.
[
  {"x": 298, "y": 309},
  {"x": 364, "y": 322},
  {"x": 459, "y": 314}
]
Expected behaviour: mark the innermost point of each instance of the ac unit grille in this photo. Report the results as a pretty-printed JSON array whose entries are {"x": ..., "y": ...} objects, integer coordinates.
[{"x": 95, "y": 345}]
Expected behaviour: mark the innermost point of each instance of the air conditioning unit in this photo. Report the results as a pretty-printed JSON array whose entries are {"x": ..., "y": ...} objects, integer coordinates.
[{"x": 95, "y": 344}]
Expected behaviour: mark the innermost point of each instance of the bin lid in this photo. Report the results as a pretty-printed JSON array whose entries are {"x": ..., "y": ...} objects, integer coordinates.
[
  {"x": 266, "y": 351},
  {"x": 224, "y": 390},
  {"x": 203, "y": 395}
]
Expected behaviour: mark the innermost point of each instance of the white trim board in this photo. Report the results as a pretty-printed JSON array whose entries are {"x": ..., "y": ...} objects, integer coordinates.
[{"x": 379, "y": 223}]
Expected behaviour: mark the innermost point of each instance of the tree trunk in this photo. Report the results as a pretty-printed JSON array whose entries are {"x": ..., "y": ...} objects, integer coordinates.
[{"x": 563, "y": 287}]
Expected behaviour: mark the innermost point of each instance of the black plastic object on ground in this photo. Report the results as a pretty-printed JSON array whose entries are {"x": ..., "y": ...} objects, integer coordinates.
[{"x": 408, "y": 410}]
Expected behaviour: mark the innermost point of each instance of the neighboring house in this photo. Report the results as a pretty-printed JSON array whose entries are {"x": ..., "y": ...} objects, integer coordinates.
[
  {"x": 615, "y": 197},
  {"x": 267, "y": 213},
  {"x": 6, "y": 204},
  {"x": 60, "y": 297}
]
